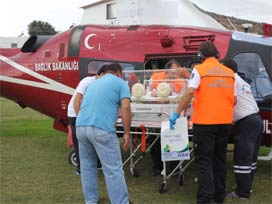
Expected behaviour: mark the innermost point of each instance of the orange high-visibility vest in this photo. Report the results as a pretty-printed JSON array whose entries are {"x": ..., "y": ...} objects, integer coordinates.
[
  {"x": 157, "y": 78},
  {"x": 214, "y": 98}
]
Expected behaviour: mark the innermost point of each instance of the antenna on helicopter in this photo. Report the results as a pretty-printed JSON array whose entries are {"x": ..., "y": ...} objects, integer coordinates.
[{"x": 73, "y": 25}]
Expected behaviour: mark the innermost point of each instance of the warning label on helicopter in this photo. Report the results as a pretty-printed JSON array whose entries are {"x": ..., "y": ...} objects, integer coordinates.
[{"x": 56, "y": 66}]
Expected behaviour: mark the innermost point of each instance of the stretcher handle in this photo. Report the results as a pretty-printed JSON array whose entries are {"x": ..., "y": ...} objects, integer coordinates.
[{"x": 147, "y": 112}]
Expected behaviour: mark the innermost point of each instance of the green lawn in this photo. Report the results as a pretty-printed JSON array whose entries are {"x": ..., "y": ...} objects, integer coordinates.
[{"x": 34, "y": 168}]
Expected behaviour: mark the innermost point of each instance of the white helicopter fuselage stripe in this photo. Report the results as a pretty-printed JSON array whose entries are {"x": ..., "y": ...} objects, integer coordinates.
[
  {"x": 35, "y": 84},
  {"x": 49, "y": 84}
]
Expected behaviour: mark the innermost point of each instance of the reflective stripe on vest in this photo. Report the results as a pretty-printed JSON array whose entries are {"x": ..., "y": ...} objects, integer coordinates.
[{"x": 214, "y": 98}]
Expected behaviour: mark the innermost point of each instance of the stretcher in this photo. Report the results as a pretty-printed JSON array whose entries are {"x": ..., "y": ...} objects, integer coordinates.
[{"x": 148, "y": 112}]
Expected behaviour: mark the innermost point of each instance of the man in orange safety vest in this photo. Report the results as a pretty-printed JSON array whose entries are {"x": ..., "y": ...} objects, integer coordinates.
[{"x": 212, "y": 86}]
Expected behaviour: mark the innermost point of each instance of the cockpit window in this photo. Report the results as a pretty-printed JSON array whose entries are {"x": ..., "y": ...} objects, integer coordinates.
[
  {"x": 251, "y": 66},
  {"x": 74, "y": 41}
]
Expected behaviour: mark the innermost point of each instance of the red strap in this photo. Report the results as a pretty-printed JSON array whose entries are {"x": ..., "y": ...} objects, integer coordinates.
[{"x": 143, "y": 141}]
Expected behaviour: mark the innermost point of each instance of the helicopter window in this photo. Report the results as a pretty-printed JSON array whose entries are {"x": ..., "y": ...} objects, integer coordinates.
[
  {"x": 94, "y": 66},
  {"x": 14, "y": 45},
  {"x": 61, "y": 50},
  {"x": 187, "y": 62},
  {"x": 111, "y": 11},
  {"x": 47, "y": 53},
  {"x": 75, "y": 40},
  {"x": 251, "y": 66}
]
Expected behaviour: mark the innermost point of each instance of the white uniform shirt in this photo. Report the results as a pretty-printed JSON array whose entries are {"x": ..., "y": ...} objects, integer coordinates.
[
  {"x": 194, "y": 79},
  {"x": 81, "y": 87},
  {"x": 246, "y": 104}
]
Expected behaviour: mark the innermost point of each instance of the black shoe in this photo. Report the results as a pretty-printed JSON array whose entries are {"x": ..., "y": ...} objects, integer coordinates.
[
  {"x": 99, "y": 166},
  {"x": 234, "y": 195},
  {"x": 77, "y": 172},
  {"x": 235, "y": 187}
]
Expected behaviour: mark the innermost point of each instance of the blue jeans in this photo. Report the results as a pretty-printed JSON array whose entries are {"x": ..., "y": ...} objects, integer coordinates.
[{"x": 92, "y": 142}]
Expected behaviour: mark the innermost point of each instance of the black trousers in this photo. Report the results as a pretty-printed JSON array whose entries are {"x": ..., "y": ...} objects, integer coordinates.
[
  {"x": 155, "y": 153},
  {"x": 72, "y": 122},
  {"x": 248, "y": 138},
  {"x": 210, "y": 148}
]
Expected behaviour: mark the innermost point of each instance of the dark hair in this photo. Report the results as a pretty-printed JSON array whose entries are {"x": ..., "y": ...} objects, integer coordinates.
[
  {"x": 169, "y": 64},
  {"x": 230, "y": 63},
  {"x": 114, "y": 67},
  {"x": 208, "y": 49},
  {"x": 102, "y": 69}
]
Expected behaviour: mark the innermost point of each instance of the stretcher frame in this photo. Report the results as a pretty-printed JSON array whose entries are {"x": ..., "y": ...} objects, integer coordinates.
[{"x": 149, "y": 126}]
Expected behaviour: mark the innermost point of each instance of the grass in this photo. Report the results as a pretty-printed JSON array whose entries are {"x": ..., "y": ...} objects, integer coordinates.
[{"x": 34, "y": 168}]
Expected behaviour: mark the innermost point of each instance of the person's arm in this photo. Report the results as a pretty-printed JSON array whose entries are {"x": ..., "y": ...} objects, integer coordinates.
[
  {"x": 185, "y": 73},
  {"x": 126, "y": 119},
  {"x": 80, "y": 89},
  {"x": 194, "y": 83},
  {"x": 183, "y": 103},
  {"x": 77, "y": 102},
  {"x": 185, "y": 99}
]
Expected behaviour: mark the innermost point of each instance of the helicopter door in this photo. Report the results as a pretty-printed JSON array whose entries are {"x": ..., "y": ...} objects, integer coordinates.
[{"x": 251, "y": 66}]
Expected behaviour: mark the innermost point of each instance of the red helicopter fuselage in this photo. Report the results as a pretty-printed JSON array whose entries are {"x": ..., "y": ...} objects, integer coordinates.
[{"x": 45, "y": 72}]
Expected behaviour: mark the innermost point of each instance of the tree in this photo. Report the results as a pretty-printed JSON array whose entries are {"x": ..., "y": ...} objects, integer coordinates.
[{"x": 40, "y": 28}]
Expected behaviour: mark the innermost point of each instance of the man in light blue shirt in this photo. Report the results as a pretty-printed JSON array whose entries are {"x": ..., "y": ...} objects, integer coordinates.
[{"x": 97, "y": 135}]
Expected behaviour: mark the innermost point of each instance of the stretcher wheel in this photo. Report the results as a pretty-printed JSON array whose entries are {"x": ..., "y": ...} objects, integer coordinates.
[
  {"x": 163, "y": 188},
  {"x": 72, "y": 158},
  {"x": 180, "y": 179},
  {"x": 134, "y": 172}
]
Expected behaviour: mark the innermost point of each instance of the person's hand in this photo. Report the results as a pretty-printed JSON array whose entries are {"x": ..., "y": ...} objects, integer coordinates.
[
  {"x": 126, "y": 142},
  {"x": 173, "y": 119}
]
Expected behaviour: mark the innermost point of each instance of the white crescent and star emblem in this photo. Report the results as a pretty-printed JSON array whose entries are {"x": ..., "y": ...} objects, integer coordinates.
[{"x": 86, "y": 41}]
